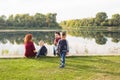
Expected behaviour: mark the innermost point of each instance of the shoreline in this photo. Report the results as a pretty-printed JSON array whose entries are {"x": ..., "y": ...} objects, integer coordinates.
[{"x": 90, "y": 55}]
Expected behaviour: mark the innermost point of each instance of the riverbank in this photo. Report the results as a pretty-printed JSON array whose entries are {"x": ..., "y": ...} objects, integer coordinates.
[{"x": 47, "y": 68}]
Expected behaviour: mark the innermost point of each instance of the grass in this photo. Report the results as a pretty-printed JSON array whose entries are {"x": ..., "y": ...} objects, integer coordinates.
[{"x": 47, "y": 68}]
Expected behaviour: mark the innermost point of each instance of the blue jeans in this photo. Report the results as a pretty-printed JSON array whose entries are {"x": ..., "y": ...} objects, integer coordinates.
[
  {"x": 54, "y": 50},
  {"x": 63, "y": 55}
]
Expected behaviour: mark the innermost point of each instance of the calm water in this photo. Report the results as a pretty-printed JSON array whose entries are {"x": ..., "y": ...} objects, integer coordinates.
[{"x": 80, "y": 42}]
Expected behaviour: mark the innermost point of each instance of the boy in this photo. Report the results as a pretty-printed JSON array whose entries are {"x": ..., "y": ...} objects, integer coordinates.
[
  {"x": 42, "y": 51},
  {"x": 63, "y": 49}
]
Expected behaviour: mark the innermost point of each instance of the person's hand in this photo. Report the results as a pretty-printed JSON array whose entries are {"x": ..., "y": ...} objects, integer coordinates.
[
  {"x": 67, "y": 53},
  {"x": 55, "y": 43},
  {"x": 34, "y": 51}
]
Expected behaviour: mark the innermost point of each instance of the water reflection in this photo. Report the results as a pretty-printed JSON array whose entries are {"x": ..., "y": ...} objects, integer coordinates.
[
  {"x": 17, "y": 37},
  {"x": 99, "y": 36},
  {"x": 81, "y": 42}
]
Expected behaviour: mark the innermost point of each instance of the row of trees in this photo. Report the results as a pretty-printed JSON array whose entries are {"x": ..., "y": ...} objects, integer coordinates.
[
  {"x": 26, "y": 20},
  {"x": 49, "y": 20},
  {"x": 101, "y": 19}
]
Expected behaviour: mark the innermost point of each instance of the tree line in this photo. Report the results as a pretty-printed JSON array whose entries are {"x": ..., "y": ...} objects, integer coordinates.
[
  {"x": 101, "y": 19},
  {"x": 28, "y": 21},
  {"x": 39, "y": 20}
]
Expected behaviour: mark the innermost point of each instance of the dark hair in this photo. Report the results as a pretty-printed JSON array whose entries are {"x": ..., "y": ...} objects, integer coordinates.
[
  {"x": 57, "y": 33},
  {"x": 63, "y": 33}
]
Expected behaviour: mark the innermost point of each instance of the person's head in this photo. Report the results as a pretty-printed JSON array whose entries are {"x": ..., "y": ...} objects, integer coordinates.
[
  {"x": 41, "y": 43},
  {"x": 63, "y": 35},
  {"x": 57, "y": 34},
  {"x": 28, "y": 38}
]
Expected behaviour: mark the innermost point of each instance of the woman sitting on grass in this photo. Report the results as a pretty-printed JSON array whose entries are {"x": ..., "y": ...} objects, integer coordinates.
[{"x": 29, "y": 46}]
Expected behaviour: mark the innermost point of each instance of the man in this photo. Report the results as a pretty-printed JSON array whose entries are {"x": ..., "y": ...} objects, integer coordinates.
[{"x": 57, "y": 38}]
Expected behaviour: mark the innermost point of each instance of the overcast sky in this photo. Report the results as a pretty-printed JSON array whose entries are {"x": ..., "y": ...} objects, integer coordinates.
[{"x": 65, "y": 9}]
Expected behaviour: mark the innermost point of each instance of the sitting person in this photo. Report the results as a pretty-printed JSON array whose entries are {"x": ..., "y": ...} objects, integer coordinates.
[
  {"x": 42, "y": 51},
  {"x": 30, "y": 51},
  {"x": 56, "y": 40}
]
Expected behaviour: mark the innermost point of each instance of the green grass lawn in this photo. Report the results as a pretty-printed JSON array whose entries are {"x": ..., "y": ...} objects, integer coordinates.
[{"x": 47, "y": 68}]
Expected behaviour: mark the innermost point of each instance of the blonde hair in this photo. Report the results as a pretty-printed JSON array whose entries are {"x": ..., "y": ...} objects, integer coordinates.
[
  {"x": 41, "y": 42},
  {"x": 28, "y": 38}
]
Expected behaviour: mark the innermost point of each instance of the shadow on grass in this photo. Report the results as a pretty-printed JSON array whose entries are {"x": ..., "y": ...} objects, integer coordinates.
[
  {"x": 80, "y": 64},
  {"x": 48, "y": 59},
  {"x": 93, "y": 59},
  {"x": 85, "y": 63}
]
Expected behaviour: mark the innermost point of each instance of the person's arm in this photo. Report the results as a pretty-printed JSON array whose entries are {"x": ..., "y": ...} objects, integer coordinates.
[
  {"x": 45, "y": 50},
  {"x": 58, "y": 46},
  {"x": 38, "y": 53},
  {"x": 55, "y": 43},
  {"x": 33, "y": 47},
  {"x": 67, "y": 47}
]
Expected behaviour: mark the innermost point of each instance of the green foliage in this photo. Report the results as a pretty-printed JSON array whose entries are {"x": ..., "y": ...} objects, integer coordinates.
[
  {"x": 2, "y": 20},
  {"x": 101, "y": 19},
  {"x": 116, "y": 19},
  {"x": 30, "y": 21},
  {"x": 47, "y": 68}
]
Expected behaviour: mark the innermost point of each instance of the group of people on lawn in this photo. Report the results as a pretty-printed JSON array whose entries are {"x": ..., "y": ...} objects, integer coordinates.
[{"x": 60, "y": 48}]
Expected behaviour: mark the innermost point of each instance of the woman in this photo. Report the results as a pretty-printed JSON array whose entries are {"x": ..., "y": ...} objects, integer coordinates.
[{"x": 29, "y": 46}]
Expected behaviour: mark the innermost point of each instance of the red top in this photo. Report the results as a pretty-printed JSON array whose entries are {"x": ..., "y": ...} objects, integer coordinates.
[
  {"x": 29, "y": 49},
  {"x": 56, "y": 40}
]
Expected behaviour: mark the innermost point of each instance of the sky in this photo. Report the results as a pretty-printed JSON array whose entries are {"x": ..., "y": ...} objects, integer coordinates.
[{"x": 65, "y": 9}]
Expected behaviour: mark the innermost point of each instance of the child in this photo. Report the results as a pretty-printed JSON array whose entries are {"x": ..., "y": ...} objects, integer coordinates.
[
  {"x": 63, "y": 49},
  {"x": 43, "y": 50}
]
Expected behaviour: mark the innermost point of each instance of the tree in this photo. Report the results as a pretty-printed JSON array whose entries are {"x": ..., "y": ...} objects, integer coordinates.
[
  {"x": 100, "y": 17},
  {"x": 51, "y": 20},
  {"x": 10, "y": 20},
  {"x": 40, "y": 20},
  {"x": 115, "y": 20},
  {"x": 91, "y": 22},
  {"x": 3, "y": 20}
]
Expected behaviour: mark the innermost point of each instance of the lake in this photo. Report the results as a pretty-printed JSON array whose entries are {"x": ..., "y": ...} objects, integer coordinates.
[{"x": 81, "y": 42}]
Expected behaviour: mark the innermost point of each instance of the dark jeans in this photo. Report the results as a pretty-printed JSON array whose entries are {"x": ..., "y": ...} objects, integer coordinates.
[
  {"x": 63, "y": 55},
  {"x": 55, "y": 52}
]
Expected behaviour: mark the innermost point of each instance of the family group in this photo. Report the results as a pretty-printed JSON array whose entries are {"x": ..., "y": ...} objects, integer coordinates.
[{"x": 61, "y": 47}]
